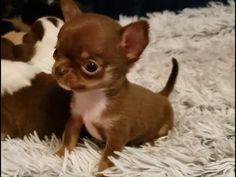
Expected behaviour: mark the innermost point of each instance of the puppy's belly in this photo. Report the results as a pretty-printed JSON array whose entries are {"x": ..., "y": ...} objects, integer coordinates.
[{"x": 90, "y": 125}]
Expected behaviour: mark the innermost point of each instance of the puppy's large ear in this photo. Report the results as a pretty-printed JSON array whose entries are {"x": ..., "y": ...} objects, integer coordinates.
[
  {"x": 69, "y": 9},
  {"x": 134, "y": 39}
]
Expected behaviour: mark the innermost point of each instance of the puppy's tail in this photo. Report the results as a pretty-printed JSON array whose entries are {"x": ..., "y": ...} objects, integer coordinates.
[{"x": 172, "y": 78}]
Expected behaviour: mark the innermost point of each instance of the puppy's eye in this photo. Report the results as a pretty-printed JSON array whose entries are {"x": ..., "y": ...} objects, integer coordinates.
[{"x": 91, "y": 67}]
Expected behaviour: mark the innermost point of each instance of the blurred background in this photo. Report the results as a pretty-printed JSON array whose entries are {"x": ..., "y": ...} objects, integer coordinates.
[{"x": 32, "y": 9}]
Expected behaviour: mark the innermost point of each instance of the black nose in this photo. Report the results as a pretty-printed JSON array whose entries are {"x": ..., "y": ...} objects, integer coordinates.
[{"x": 61, "y": 70}]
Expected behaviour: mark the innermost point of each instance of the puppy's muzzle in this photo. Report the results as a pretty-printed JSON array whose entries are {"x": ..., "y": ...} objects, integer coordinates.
[{"x": 61, "y": 70}]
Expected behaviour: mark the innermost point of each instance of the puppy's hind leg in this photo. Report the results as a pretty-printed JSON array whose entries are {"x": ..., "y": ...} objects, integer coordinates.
[{"x": 163, "y": 131}]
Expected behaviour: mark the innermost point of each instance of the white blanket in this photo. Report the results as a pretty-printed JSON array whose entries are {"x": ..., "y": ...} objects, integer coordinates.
[{"x": 202, "y": 140}]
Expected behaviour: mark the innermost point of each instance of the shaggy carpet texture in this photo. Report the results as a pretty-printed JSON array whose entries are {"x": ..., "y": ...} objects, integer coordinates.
[{"x": 202, "y": 140}]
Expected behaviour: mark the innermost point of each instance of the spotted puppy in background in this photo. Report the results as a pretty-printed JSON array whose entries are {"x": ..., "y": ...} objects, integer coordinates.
[
  {"x": 92, "y": 57},
  {"x": 31, "y": 98}
]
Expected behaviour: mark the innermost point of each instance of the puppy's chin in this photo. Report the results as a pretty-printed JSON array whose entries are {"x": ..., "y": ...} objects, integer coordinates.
[
  {"x": 64, "y": 86},
  {"x": 72, "y": 86},
  {"x": 61, "y": 82}
]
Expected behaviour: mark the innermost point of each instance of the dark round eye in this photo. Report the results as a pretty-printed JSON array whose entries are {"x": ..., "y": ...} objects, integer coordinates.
[{"x": 90, "y": 67}]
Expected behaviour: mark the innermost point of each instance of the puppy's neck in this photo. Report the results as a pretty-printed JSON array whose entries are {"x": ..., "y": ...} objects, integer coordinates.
[
  {"x": 89, "y": 102},
  {"x": 93, "y": 102},
  {"x": 118, "y": 87}
]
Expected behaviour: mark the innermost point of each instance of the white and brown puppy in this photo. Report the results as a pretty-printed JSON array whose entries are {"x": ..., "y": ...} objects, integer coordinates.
[
  {"x": 36, "y": 51},
  {"x": 31, "y": 99},
  {"x": 92, "y": 57}
]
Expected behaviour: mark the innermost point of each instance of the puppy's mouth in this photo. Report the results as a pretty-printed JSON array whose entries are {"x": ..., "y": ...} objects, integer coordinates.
[{"x": 68, "y": 80}]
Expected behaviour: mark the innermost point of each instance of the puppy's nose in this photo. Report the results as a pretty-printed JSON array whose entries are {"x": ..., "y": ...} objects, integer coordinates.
[{"x": 61, "y": 70}]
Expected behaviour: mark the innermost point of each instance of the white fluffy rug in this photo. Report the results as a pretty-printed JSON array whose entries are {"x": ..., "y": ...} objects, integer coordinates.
[{"x": 202, "y": 141}]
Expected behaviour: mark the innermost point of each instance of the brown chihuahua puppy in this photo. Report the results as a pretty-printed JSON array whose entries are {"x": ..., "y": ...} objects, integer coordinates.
[{"x": 92, "y": 57}]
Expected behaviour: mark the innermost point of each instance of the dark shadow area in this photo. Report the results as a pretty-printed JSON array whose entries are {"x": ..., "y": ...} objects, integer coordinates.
[{"x": 32, "y": 9}]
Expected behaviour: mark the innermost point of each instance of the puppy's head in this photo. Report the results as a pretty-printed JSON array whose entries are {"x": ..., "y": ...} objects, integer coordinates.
[{"x": 93, "y": 51}]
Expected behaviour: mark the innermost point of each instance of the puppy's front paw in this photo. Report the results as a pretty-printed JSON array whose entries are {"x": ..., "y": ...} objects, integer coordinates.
[
  {"x": 104, "y": 164},
  {"x": 100, "y": 175},
  {"x": 60, "y": 152}
]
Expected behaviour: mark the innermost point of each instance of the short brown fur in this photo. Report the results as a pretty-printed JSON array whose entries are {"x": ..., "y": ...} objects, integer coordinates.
[{"x": 35, "y": 108}]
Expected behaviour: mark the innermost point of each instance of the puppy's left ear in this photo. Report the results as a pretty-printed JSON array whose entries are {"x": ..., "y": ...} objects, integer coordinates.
[{"x": 134, "y": 39}]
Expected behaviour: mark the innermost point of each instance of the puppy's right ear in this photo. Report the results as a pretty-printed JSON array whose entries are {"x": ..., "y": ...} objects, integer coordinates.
[
  {"x": 134, "y": 39},
  {"x": 69, "y": 9}
]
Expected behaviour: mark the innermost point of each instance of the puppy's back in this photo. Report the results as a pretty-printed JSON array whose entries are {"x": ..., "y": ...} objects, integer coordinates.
[{"x": 43, "y": 107}]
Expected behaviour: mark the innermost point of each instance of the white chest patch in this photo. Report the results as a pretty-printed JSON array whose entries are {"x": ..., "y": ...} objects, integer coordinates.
[{"x": 90, "y": 106}]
